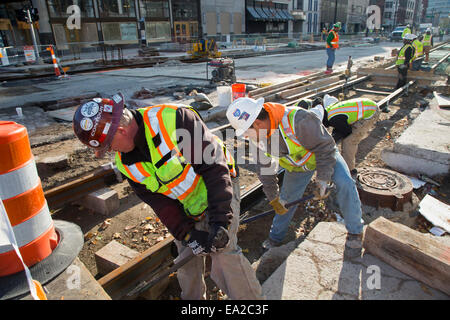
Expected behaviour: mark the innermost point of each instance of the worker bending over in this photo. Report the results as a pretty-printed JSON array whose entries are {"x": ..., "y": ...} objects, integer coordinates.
[
  {"x": 198, "y": 201},
  {"x": 418, "y": 53},
  {"x": 351, "y": 121},
  {"x": 295, "y": 139}
]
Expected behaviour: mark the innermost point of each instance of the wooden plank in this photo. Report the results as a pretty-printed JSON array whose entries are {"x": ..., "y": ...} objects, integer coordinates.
[
  {"x": 314, "y": 90},
  {"x": 259, "y": 91},
  {"x": 316, "y": 84},
  {"x": 413, "y": 253},
  {"x": 393, "y": 73},
  {"x": 122, "y": 280}
]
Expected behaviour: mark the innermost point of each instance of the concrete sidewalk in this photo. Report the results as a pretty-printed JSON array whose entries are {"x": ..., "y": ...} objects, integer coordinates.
[{"x": 322, "y": 268}]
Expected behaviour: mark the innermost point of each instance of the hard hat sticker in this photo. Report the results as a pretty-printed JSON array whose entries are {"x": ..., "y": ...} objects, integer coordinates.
[
  {"x": 241, "y": 115},
  {"x": 86, "y": 124},
  {"x": 108, "y": 108},
  {"x": 117, "y": 98},
  {"x": 89, "y": 109},
  {"x": 98, "y": 100},
  {"x": 94, "y": 143}
]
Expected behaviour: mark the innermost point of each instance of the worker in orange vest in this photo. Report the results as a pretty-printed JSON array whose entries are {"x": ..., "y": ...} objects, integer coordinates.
[{"x": 331, "y": 46}]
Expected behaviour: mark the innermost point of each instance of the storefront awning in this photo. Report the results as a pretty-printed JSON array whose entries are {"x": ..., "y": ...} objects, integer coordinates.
[
  {"x": 276, "y": 14},
  {"x": 253, "y": 14},
  {"x": 262, "y": 14},
  {"x": 287, "y": 14},
  {"x": 269, "y": 14}
]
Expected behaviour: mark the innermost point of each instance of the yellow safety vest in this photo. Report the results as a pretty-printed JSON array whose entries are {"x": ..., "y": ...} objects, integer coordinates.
[{"x": 168, "y": 172}]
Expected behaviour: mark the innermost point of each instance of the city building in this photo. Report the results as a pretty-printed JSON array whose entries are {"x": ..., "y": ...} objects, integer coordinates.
[
  {"x": 332, "y": 11},
  {"x": 268, "y": 16},
  {"x": 356, "y": 15},
  {"x": 437, "y": 11}
]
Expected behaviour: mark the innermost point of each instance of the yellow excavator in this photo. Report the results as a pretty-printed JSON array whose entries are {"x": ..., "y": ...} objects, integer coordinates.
[{"x": 204, "y": 49}]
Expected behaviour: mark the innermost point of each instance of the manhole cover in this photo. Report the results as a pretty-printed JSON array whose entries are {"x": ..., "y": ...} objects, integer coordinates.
[{"x": 384, "y": 188}]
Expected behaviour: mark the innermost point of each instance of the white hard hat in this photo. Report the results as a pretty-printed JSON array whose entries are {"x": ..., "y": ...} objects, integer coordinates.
[
  {"x": 329, "y": 100},
  {"x": 318, "y": 111},
  {"x": 243, "y": 112},
  {"x": 409, "y": 36},
  {"x": 428, "y": 30}
]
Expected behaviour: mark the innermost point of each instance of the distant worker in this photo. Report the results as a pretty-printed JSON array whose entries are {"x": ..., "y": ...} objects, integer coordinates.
[
  {"x": 198, "y": 201},
  {"x": 418, "y": 53},
  {"x": 406, "y": 31},
  {"x": 427, "y": 44},
  {"x": 404, "y": 59},
  {"x": 295, "y": 139},
  {"x": 351, "y": 121},
  {"x": 332, "y": 45},
  {"x": 324, "y": 33},
  {"x": 441, "y": 35}
]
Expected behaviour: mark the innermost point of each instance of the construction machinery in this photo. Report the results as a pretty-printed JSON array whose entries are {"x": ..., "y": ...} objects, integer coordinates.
[
  {"x": 204, "y": 49},
  {"x": 224, "y": 70}
]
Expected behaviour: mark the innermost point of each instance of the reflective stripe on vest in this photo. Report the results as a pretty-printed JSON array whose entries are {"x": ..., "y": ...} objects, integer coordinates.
[
  {"x": 335, "y": 41},
  {"x": 427, "y": 40},
  {"x": 306, "y": 160},
  {"x": 401, "y": 54},
  {"x": 353, "y": 109}
]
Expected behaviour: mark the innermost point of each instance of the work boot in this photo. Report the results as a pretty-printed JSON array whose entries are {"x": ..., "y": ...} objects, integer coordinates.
[
  {"x": 269, "y": 244},
  {"x": 329, "y": 70},
  {"x": 385, "y": 110},
  {"x": 354, "y": 241},
  {"x": 354, "y": 172}
]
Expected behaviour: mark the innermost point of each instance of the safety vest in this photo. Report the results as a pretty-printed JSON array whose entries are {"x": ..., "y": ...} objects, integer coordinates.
[
  {"x": 418, "y": 47},
  {"x": 401, "y": 54},
  {"x": 298, "y": 158},
  {"x": 355, "y": 109},
  {"x": 168, "y": 172},
  {"x": 427, "y": 40},
  {"x": 405, "y": 32},
  {"x": 335, "y": 41}
]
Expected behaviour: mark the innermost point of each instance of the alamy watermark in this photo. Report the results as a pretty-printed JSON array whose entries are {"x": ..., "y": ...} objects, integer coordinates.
[
  {"x": 74, "y": 20},
  {"x": 73, "y": 282}
]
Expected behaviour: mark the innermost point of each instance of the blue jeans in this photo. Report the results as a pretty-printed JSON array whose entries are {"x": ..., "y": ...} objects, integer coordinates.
[
  {"x": 416, "y": 64},
  {"x": 294, "y": 185},
  {"x": 331, "y": 57}
]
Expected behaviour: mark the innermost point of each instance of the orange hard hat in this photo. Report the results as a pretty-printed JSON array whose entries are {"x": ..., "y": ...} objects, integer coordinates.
[{"x": 95, "y": 122}]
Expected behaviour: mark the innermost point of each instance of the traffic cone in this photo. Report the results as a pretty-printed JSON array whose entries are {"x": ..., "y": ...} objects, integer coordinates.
[{"x": 55, "y": 63}]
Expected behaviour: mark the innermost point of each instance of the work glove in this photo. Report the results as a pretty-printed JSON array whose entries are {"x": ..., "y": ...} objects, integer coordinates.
[
  {"x": 279, "y": 206},
  {"x": 322, "y": 192},
  {"x": 218, "y": 237},
  {"x": 198, "y": 241}
]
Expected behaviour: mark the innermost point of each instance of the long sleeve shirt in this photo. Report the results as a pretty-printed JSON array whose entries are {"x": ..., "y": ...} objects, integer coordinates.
[
  {"x": 215, "y": 176},
  {"x": 312, "y": 135},
  {"x": 341, "y": 128}
]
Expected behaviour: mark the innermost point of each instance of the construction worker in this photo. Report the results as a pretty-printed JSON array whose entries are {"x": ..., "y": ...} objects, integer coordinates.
[
  {"x": 406, "y": 31},
  {"x": 427, "y": 44},
  {"x": 198, "y": 201},
  {"x": 351, "y": 121},
  {"x": 324, "y": 33},
  {"x": 295, "y": 139},
  {"x": 332, "y": 45},
  {"x": 404, "y": 59},
  {"x": 418, "y": 53}
]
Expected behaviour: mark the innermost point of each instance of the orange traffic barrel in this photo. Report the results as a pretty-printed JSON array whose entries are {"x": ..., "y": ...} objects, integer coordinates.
[
  {"x": 238, "y": 90},
  {"x": 24, "y": 201}
]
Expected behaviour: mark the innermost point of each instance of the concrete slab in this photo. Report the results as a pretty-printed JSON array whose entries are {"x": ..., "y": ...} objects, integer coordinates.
[
  {"x": 112, "y": 256},
  {"x": 75, "y": 283},
  {"x": 322, "y": 268},
  {"x": 422, "y": 148}
]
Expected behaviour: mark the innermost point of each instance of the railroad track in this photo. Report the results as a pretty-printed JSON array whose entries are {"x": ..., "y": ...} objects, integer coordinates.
[{"x": 159, "y": 258}]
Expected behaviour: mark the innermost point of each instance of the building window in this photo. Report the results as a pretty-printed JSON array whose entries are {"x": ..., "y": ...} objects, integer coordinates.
[
  {"x": 300, "y": 5},
  {"x": 123, "y": 32},
  {"x": 58, "y": 8},
  {"x": 388, "y": 15},
  {"x": 310, "y": 5},
  {"x": 315, "y": 5},
  {"x": 158, "y": 31},
  {"x": 154, "y": 9},
  {"x": 184, "y": 11},
  {"x": 388, "y": 5},
  {"x": 116, "y": 8},
  {"x": 309, "y": 22}
]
